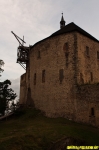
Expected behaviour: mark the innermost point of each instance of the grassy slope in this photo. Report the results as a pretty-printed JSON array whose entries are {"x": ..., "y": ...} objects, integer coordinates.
[{"x": 33, "y": 131}]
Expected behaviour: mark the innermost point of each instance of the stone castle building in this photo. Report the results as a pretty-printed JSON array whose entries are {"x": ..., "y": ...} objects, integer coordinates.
[{"x": 62, "y": 75}]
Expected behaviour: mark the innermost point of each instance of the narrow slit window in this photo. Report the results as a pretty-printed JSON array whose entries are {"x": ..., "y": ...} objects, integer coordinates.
[
  {"x": 39, "y": 55},
  {"x": 91, "y": 76},
  {"x": 34, "y": 78},
  {"x": 92, "y": 111},
  {"x": 43, "y": 76},
  {"x": 87, "y": 50},
  {"x": 66, "y": 44},
  {"x": 81, "y": 78},
  {"x": 61, "y": 75},
  {"x": 65, "y": 47},
  {"x": 97, "y": 55}
]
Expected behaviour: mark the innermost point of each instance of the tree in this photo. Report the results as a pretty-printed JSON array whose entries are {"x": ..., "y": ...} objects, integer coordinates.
[
  {"x": 6, "y": 95},
  {"x": 1, "y": 64}
]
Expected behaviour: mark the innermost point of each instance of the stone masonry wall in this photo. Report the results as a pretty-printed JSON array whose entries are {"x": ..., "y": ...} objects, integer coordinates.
[
  {"x": 62, "y": 78},
  {"x": 87, "y": 75},
  {"x": 88, "y": 64},
  {"x": 23, "y": 89},
  {"x": 87, "y": 99},
  {"x": 55, "y": 95}
]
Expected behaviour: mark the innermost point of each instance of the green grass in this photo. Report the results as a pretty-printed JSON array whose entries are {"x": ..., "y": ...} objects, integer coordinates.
[{"x": 33, "y": 131}]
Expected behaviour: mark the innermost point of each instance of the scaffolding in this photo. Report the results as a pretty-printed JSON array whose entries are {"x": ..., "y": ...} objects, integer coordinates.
[{"x": 22, "y": 51}]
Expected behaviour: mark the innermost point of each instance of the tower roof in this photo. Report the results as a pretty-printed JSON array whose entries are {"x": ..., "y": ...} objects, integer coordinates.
[
  {"x": 73, "y": 27},
  {"x": 62, "y": 22},
  {"x": 62, "y": 18}
]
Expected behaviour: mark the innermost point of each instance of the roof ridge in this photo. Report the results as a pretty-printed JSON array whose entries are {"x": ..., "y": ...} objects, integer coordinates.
[
  {"x": 70, "y": 28},
  {"x": 73, "y": 27}
]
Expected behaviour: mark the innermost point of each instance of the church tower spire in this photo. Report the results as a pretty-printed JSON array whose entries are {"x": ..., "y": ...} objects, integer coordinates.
[{"x": 62, "y": 22}]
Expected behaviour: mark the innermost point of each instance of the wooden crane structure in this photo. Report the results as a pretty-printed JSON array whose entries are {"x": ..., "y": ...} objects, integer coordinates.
[{"x": 22, "y": 51}]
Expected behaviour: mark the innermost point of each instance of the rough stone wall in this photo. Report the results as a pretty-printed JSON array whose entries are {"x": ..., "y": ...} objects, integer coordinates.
[
  {"x": 69, "y": 85},
  {"x": 87, "y": 88},
  {"x": 88, "y": 64},
  {"x": 87, "y": 98},
  {"x": 23, "y": 89},
  {"x": 55, "y": 95}
]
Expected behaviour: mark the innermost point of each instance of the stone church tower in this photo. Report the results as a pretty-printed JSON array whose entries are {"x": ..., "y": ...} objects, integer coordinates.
[{"x": 62, "y": 75}]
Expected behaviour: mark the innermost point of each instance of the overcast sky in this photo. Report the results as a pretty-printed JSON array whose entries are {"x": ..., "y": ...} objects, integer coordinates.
[{"x": 36, "y": 20}]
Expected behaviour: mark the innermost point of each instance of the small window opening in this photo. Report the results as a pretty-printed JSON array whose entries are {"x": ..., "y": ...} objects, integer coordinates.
[
  {"x": 87, "y": 50},
  {"x": 61, "y": 75},
  {"x": 28, "y": 89},
  {"x": 97, "y": 55},
  {"x": 66, "y": 51},
  {"x": 92, "y": 111},
  {"x": 43, "y": 76},
  {"x": 65, "y": 47},
  {"x": 81, "y": 78},
  {"x": 34, "y": 78},
  {"x": 39, "y": 55},
  {"x": 91, "y": 76}
]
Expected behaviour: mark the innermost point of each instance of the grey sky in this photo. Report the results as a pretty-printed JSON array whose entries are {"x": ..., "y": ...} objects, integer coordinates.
[{"x": 37, "y": 19}]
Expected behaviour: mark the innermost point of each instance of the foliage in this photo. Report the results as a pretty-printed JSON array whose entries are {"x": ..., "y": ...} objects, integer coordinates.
[
  {"x": 2, "y": 105},
  {"x": 6, "y": 95},
  {"x": 1, "y": 64}
]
